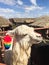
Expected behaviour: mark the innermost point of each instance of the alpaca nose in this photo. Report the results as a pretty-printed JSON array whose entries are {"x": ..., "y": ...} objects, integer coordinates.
[{"x": 38, "y": 35}]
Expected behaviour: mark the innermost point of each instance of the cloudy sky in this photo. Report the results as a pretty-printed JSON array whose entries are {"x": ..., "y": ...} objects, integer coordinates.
[{"x": 24, "y": 8}]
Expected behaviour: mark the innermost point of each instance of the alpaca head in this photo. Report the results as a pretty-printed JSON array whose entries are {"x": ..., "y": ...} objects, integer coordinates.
[
  {"x": 36, "y": 37},
  {"x": 25, "y": 30},
  {"x": 24, "y": 37}
]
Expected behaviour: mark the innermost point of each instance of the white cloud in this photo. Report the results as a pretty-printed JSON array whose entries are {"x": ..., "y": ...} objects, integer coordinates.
[
  {"x": 19, "y": 2},
  {"x": 12, "y": 2},
  {"x": 8, "y": 2},
  {"x": 31, "y": 8},
  {"x": 7, "y": 10},
  {"x": 33, "y": 2},
  {"x": 9, "y": 13}
]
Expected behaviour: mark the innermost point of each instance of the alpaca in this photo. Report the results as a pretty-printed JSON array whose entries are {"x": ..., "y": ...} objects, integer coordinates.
[
  {"x": 40, "y": 54},
  {"x": 23, "y": 38}
]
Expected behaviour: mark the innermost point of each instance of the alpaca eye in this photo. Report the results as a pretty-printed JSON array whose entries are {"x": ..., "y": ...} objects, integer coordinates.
[{"x": 38, "y": 36}]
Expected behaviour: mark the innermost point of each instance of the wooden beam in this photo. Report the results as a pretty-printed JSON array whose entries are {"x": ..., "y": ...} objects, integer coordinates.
[
  {"x": 40, "y": 28},
  {"x": 2, "y": 64}
]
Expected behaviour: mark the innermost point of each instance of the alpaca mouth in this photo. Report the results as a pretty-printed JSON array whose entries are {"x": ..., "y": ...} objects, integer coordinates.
[{"x": 36, "y": 41}]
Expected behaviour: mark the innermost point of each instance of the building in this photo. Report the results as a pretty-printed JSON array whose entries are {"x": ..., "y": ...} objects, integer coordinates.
[
  {"x": 5, "y": 24},
  {"x": 41, "y": 25},
  {"x": 20, "y": 21}
]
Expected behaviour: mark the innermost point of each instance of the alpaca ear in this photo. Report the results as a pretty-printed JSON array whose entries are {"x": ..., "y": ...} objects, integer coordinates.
[{"x": 11, "y": 33}]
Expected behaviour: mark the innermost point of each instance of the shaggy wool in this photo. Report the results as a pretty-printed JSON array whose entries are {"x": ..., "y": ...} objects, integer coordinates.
[{"x": 23, "y": 38}]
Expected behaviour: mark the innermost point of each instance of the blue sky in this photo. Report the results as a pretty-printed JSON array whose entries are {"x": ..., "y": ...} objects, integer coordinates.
[{"x": 24, "y": 8}]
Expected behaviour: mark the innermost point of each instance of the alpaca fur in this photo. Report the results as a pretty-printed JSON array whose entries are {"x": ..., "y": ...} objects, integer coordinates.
[{"x": 23, "y": 38}]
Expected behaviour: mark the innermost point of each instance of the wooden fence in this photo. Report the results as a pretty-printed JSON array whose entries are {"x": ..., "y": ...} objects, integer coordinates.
[{"x": 2, "y": 34}]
